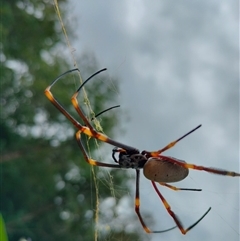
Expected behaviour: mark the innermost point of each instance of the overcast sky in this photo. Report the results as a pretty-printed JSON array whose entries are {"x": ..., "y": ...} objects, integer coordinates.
[{"x": 178, "y": 66}]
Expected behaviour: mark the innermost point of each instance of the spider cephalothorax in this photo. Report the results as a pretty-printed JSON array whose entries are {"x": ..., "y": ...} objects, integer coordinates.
[{"x": 129, "y": 159}]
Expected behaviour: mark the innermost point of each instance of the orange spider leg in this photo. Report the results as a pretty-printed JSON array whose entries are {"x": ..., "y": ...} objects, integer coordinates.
[
  {"x": 87, "y": 158},
  {"x": 50, "y": 96},
  {"x": 77, "y": 107},
  {"x": 171, "y": 144},
  {"x": 173, "y": 215},
  {"x": 137, "y": 207},
  {"x": 88, "y": 130},
  {"x": 202, "y": 168}
]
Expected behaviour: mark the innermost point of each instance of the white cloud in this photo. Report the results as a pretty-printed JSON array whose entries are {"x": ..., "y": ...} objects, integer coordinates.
[{"x": 178, "y": 67}]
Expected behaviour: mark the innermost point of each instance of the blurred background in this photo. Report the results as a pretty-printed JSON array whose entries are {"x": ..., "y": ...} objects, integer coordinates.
[{"x": 171, "y": 66}]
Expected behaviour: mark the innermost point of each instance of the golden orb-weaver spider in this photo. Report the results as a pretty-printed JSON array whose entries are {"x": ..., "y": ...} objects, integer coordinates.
[{"x": 156, "y": 167}]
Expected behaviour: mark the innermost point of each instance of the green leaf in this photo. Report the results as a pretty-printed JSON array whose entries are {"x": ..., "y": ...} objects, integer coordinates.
[{"x": 3, "y": 233}]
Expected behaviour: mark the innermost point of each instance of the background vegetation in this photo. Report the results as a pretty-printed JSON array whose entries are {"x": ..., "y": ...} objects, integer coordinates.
[{"x": 47, "y": 190}]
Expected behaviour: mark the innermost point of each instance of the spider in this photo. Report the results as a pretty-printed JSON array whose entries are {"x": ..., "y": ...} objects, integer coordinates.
[{"x": 156, "y": 167}]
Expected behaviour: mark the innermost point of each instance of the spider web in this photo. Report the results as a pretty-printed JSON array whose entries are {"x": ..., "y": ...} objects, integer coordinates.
[{"x": 90, "y": 113}]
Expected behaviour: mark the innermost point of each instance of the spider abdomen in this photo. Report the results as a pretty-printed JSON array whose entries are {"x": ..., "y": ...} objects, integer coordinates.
[{"x": 160, "y": 169}]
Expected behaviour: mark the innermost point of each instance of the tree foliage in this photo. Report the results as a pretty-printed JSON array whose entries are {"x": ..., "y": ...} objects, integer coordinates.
[{"x": 47, "y": 190}]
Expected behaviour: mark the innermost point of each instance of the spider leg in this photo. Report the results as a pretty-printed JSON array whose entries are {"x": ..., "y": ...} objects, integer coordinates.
[
  {"x": 87, "y": 158},
  {"x": 171, "y": 144},
  {"x": 173, "y": 215},
  {"x": 113, "y": 107},
  {"x": 86, "y": 130},
  {"x": 78, "y": 108},
  {"x": 202, "y": 168},
  {"x": 80, "y": 127},
  {"x": 55, "y": 102},
  {"x": 137, "y": 207},
  {"x": 89, "y": 130},
  {"x": 178, "y": 189}
]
